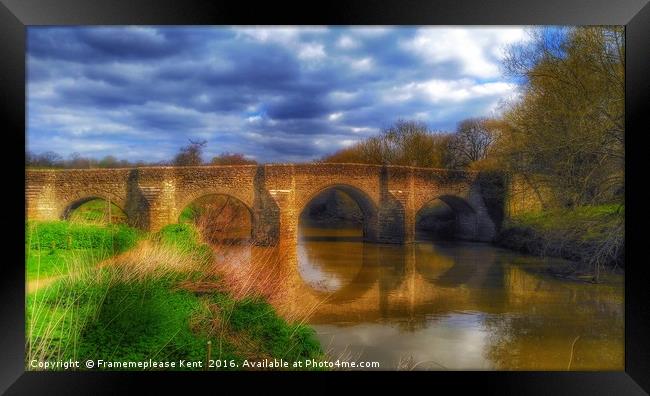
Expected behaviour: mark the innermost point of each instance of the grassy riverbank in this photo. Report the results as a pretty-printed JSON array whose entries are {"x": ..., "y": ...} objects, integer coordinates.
[
  {"x": 591, "y": 236},
  {"x": 157, "y": 299},
  {"x": 56, "y": 248}
]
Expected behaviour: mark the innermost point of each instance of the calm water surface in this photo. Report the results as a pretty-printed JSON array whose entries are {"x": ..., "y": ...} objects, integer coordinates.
[{"x": 455, "y": 305}]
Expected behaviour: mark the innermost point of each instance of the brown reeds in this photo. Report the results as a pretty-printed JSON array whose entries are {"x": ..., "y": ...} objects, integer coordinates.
[{"x": 150, "y": 259}]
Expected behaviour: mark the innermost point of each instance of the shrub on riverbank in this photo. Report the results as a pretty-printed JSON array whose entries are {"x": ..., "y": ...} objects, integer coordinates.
[{"x": 592, "y": 235}]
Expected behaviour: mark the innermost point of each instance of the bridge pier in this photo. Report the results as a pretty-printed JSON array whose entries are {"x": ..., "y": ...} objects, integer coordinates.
[
  {"x": 396, "y": 206},
  {"x": 151, "y": 198},
  {"x": 266, "y": 213}
]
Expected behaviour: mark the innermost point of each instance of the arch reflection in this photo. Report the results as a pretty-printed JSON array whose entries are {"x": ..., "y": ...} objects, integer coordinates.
[{"x": 465, "y": 305}]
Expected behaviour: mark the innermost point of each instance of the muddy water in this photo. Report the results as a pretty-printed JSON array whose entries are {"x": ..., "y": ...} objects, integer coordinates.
[{"x": 455, "y": 305}]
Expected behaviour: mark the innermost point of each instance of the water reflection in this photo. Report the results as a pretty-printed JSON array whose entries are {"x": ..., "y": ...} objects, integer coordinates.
[{"x": 455, "y": 306}]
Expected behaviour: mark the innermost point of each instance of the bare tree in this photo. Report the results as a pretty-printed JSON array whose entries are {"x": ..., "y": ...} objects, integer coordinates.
[
  {"x": 190, "y": 155},
  {"x": 48, "y": 159},
  {"x": 77, "y": 161},
  {"x": 471, "y": 142},
  {"x": 566, "y": 133}
]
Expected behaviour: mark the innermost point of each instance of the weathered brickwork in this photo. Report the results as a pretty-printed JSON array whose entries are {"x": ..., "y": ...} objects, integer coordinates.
[{"x": 151, "y": 197}]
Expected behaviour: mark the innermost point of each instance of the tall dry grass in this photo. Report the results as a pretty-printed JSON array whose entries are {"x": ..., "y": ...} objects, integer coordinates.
[
  {"x": 247, "y": 270},
  {"x": 152, "y": 259}
]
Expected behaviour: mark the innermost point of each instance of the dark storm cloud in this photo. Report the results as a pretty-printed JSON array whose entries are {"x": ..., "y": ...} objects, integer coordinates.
[
  {"x": 108, "y": 44},
  {"x": 297, "y": 106},
  {"x": 276, "y": 94}
]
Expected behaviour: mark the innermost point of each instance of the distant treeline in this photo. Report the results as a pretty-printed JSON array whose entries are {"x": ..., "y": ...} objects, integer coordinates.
[
  {"x": 412, "y": 143},
  {"x": 187, "y": 156}
]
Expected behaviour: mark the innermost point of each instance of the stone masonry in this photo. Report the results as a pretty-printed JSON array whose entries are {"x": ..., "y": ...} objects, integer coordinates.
[{"x": 151, "y": 197}]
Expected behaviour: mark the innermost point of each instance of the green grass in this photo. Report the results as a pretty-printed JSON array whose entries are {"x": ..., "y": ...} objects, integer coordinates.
[
  {"x": 592, "y": 234},
  {"x": 53, "y": 262},
  {"x": 153, "y": 319},
  {"x": 69, "y": 235},
  {"x": 53, "y": 247},
  {"x": 258, "y": 321},
  {"x": 95, "y": 314},
  {"x": 57, "y": 314},
  {"x": 144, "y": 320},
  {"x": 591, "y": 221},
  {"x": 189, "y": 214},
  {"x": 183, "y": 236}
]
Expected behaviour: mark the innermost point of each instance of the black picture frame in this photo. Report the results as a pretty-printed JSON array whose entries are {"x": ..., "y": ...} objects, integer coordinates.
[{"x": 16, "y": 15}]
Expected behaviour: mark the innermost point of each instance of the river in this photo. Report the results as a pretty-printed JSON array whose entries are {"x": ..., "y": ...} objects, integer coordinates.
[{"x": 456, "y": 306}]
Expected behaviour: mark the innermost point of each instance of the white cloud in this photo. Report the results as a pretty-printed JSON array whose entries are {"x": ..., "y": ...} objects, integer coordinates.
[
  {"x": 334, "y": 116},
  {"x": 150, "y": 33},
  {"x": 362, "y": 129},
  {"x": 371, "y": 31},
  {"x": 363, "y": 64},
  {"x": 350, "y": 74},
  {"x": 42, "y": 90},
  {"x": 290, "y": 36},
  {"x": 347, "y": 42},
  {"x": 66, "y": 145},
  {"x": 203, "y": 98},
  {"x": 347, "y": 142},
  {"x": 311, "y": 52},
  {"x": 477, "y": 50},
  {"x": 283, "y": 34},
  {"x": 254, "y": 119},
  {"x": 342, "y": 96},
  {"x": 455, "y": 91},
  {"x": 75, "y": 123}
]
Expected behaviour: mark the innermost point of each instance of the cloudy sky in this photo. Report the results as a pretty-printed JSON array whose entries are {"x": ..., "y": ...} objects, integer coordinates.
[{"x": 276, "y": 94}]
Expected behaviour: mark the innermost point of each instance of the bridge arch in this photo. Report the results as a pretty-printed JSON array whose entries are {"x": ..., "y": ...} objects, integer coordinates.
[
  {"x": 73, "y": 203},
  {"x": 226, "y": 217},
  {"x": 368, "y": 207},
  {"x": 188, "y": 197},
  {"x": 456, "y": 219}
]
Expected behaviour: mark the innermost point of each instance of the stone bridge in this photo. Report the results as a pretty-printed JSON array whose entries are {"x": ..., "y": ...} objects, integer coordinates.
[{"x": 388, "y": 196}]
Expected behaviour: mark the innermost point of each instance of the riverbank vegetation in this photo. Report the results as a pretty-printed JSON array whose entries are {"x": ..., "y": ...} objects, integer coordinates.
[
  {"x": 148, "y": 296},
  {"x": 593, "y": 237},
  {"x": 565, "y": 140}
]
